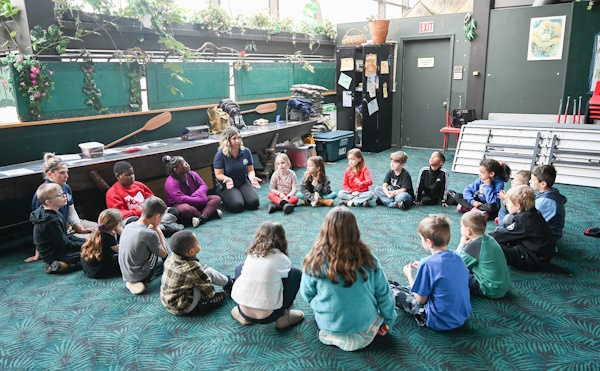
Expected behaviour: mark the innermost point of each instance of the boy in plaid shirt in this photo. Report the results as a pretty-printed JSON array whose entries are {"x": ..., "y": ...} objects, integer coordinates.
[{"x": 186, "y": 285}]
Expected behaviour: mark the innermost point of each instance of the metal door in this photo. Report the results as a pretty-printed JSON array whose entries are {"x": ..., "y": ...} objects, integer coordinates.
[{"x": 426, "y": 70}]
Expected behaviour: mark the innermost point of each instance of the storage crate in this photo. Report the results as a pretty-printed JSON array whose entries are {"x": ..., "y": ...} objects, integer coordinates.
[
  {"x": 298, "y": 155},
  {"x": 334, "y": 145}
]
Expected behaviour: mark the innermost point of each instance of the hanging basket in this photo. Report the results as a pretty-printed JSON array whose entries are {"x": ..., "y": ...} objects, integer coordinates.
[
  {"x": 379, "y": 30},
  {"x": 351, "y": 40}
]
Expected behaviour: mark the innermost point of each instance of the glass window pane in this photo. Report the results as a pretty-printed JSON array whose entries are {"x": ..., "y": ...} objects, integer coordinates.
[{"x": 351, "y": 11}]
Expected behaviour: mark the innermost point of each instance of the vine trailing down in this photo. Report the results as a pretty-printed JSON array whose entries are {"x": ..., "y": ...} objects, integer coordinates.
[
  {"x": 89, "y": 86},
  {"x": 34, "y": 81}
]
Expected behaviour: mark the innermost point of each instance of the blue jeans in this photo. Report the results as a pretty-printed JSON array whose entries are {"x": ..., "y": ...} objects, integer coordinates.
[{"x": 392, "y": 202}]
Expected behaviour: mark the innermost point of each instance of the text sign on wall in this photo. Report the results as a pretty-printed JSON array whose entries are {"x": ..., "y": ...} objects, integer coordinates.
[
  {"x": 425, "y": 27},
  {"x": 426, "y": 62}
]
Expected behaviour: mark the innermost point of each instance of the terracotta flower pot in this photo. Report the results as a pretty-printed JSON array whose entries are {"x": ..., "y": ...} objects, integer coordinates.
[{"x": 379, "y": 30}]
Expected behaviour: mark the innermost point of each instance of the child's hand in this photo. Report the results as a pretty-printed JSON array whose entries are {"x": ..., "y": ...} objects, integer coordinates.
[
  {"x": 383, "y": 330},
  {"x": 155, "y": 228},
  {"x": 84, "y": 230},
  {"x": 415, "y": 264},
  {"x": 477, "y": 203},
  {"x": 501, "y": 194},
  {"x": 464, "y": 240},
  {"x": 487, "y": 181},
  {"x": 205, "y": 266},
  {"x": 357, "y": 181},
  {"x": 407, "y": 270},
  {"x": 355, "y": 193}
]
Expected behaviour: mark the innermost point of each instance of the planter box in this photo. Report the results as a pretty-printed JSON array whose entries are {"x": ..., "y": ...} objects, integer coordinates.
[{"x": 67, "y": 98}]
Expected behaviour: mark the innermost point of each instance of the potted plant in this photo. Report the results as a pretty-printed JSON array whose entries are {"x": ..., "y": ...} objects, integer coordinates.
[{"x": 378, "y": 29}]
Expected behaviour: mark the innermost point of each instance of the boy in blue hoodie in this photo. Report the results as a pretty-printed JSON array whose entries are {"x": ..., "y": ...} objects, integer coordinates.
[{"x": 549, "y": 201}]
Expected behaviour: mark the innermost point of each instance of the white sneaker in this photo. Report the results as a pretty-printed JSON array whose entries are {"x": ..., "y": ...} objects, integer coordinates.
[
  {"x": 219, "y": 213},
  {"x": 195, "y": 222},
  {"x": 136, "y": 288},
  {"x": 350, "y": 203}
]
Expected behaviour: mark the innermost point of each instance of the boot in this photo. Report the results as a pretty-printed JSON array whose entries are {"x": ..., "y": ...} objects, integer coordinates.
[
  {"x": 235, "y": 313},
  {"x": 323, "y": 202},
  {"x": 289, "y": 318}
]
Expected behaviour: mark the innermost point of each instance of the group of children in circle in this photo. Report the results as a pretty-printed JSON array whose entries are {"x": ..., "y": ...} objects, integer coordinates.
[{"x": 340, "y": 278}]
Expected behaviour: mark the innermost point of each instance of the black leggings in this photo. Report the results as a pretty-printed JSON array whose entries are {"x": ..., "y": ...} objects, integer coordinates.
[
  {"x": 239, "y": 198},
  {"x": 492, "y": 209}
]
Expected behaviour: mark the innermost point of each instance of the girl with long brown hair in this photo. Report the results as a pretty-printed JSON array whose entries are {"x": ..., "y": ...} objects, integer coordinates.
[
  {"x": 98, "y": 253},
  {"x": 266, "y": 284},
  {"x": 315, "y": 188},
  {"x": 345, "y": 285}
]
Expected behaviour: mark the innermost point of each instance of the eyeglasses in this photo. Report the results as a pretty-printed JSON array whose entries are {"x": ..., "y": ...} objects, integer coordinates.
[{"x": 62, "y": 194}]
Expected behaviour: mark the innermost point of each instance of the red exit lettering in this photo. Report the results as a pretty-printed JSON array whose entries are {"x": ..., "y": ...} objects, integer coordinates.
[{"x": 425, "y": 27}]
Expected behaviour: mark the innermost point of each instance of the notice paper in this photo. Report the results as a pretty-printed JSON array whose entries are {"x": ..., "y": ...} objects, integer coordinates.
[
  {"x": 385, "y": 67},
  {"x": 345, "y": 80},
  {"x": 371, "y": 86},
  {"x": 373, "y": 107},
  {"x": 371, "y": 65},
  {"x": 347, "y": 98},
  {"x": 347, "y": 64}
]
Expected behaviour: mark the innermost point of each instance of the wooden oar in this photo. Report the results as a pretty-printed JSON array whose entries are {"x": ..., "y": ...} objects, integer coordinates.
[
  {"x": 153, "y": 123},
  {"x": 263, "y": 108}
]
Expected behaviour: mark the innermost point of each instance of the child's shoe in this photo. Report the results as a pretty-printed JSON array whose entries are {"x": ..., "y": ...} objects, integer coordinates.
[
  {"x": 378, "y": 202},
  {"x": 461, "y": 209},
  {"x": 136, "y": 288},
  {"x": 315, "y": 200},
  {"x": 350, "y": 203},
  {"x": 289, "y": 318},
  {"x": 235, "y": 313},
  {"x": 401, "y": 205},
  {"x": 288, "y": 208},
  {"x": 216, "y": 300},
  {"x": 229, "y": 286},
  {"x": 485, "y": 213},
  {"x": 195, "y": 222},
  {"x": 219, "y": 214},
  {"x": 366, "y": 203},
  {"x": 496, "y": 221},
  {"x": 271, "y": 208},
  {"x": 323, "y": 202},
  {"x": 343, "y": 203}
]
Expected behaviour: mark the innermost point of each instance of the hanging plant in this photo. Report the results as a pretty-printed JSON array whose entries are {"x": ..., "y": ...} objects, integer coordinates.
[
  {"x": 33, "y": 81},
  {"x": 135, "y": 88},
  {"x": 470, "y": 26},
  {"x": 298, "y": 57},
  {"x": 89, "y": 86}
]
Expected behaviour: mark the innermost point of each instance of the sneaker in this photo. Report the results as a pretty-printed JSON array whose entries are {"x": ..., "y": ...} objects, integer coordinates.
[
  {"x": 216, "y": 300},
  {"x": 315, "y": 200},
  {"x": 350, "y": 203},
  {"x": 195, "y": 222},
  {"x": 378, "y": 202},
  {"x": 485, "y": 213},
  {"x": 235, "y": 313},
  {"x": 366, "y": 203},
  {"x": 136, "y": 288},
  {"x": 461, "y": 209},
  {"x": 289, "y": 319},
  {"x": 271, "y": 208},
  {"x": 55, "y": 267},
  {"x": 401, "y": 205},
  {"x": 219, "y": 214},
  {"x": 288, "y": 208},
  {"x": 343, "y": 203}
]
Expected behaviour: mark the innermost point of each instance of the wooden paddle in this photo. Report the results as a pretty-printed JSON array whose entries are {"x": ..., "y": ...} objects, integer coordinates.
[
  {"x": 263, "y": 108},
  {"x": 153, "y": 123}
]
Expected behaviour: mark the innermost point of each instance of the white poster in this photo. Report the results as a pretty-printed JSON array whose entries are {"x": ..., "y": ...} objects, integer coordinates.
[{"x": 426, "y": 62}]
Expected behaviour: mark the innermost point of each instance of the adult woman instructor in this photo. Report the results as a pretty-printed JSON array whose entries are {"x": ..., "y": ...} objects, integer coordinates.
[{"x": 234, "y": 170}]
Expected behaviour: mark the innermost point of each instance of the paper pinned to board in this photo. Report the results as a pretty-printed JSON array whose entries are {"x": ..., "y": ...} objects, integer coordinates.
[
  {"x": 17, "y": 172},
  {"x": 347, "y": 98},
  {"x": 345, "y": 80},
  {"x": 373, "y": 106},
  {"x": 346, "y": 64},
  {"x": 385, "y": 67}
]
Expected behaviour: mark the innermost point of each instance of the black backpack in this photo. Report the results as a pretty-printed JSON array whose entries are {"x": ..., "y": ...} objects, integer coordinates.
[{"x": 233, "y": 110}]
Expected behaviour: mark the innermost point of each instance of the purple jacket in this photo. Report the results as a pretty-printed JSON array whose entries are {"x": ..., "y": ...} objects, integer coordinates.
[{"x": 193, "y": 193}]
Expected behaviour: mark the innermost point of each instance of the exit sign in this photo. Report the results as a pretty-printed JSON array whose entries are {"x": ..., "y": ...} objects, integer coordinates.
[{"x": 425, "y": 27}]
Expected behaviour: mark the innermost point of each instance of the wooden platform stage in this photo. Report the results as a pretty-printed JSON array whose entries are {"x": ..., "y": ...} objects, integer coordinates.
[{"x": 16, "y": 190}]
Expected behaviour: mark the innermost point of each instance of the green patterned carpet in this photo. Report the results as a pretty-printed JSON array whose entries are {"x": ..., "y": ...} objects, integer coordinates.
[{"x": 548, "y": 321}]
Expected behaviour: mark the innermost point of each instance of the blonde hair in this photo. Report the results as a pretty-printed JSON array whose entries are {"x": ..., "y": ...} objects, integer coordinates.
[
  {"x": 436, "y": 227},
  {"x": 225, "y": 145},
  {"x": 47, "y": 191},
  {"x": 339, "y": 250},
  {"x": 92, "y": 248},
  {"x": 523, "y": 195},
  {"x": 523, "y": 176},
  {"x": 284, "y": 157},
  {"x": 399, "y": 156},
  {"x": 318, "y": 161},
  {"x": 51, "y": 163},
  {"x": 358, "y": 154},
  {"x": 477, "y": 222}
]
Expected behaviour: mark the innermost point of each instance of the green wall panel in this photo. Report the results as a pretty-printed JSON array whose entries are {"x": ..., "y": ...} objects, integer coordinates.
[
  {"x": 265, "y": 80},
  {"x": 324, "y": 75},
  {"x": 67, "y": 98},
  {"x": 210, "y": 84},
  {"x": 513, "y": 84}
]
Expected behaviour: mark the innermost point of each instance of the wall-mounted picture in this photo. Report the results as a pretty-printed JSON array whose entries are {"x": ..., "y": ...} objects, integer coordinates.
[
  {"x": 595, "y": 69},
  {"x": 546, "y": 38}
]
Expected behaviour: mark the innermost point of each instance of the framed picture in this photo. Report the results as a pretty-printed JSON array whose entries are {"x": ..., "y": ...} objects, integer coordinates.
[
  {"x": 595, "y": 67},
  {"x": 546, "y": 38}
]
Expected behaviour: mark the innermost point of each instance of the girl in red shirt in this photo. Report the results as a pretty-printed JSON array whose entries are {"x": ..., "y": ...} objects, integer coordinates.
[{"x": 357, "y": 180}]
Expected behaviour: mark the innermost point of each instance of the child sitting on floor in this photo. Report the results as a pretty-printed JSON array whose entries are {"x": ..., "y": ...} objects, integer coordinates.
[
  {"x": 522, "y": 177},
  {"x": 432, "y": 183},
  {"x": 345, "y": 285},
  {"x": 526, "y": 239},
  {"x": 357, "y": 180},
  {"x": 128, "y": 196},
  {"x": 98, "y": 253},
  {"x": 186, "y": 285},
  {"x": 187, "y": 192},
  {"x": 488, "y": 272},
  {"x": 284, "y": 185},
  {"x": 59, "y": 250},
  {"x": 482, "y": 195},
  {"x": 142, "y": 247},
  {"x": 315, "y": 188},
  {"x": 397, "y": 190},
  {"x": 266, "y": 284},
  {"x": 549, "y": 201},
  {"x": 438, "y": 297}
]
